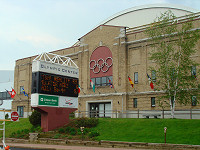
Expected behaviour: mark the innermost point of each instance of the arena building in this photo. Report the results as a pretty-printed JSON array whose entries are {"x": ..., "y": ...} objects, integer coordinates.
[{"x": 112, "y": 51}]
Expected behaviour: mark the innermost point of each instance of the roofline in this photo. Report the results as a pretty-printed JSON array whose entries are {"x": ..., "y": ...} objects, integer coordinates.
[
  {"x": 137, "y": 8},
  {"x": 99, "y": 26}
]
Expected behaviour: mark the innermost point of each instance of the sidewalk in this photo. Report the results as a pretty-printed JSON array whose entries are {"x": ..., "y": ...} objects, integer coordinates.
[{"x": 59, "y": 147}]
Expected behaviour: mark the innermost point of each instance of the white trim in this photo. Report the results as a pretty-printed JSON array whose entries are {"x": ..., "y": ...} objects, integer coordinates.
[
  {"x": 120, "y": 94},
  {"x": 56, "y": 59}
]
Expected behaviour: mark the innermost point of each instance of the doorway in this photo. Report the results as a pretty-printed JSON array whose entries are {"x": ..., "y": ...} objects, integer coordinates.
[{"x": 102, "y": 110}]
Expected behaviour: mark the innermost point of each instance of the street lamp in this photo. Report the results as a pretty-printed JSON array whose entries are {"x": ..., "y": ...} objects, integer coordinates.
[
  {"x": 165, "y": 131},
  {"x": 82, "y": 129}
]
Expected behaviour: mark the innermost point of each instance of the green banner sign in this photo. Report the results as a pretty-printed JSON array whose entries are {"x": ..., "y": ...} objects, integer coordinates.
[{"x": 48, "y": 100}]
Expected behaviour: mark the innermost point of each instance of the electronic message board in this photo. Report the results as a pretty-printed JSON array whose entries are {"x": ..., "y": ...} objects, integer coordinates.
[
  {"x": 54, "y": 85},
  {"x": 47, "y": 83}
]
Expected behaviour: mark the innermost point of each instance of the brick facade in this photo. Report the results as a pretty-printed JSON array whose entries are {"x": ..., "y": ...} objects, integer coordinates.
[{"x": 130, "y": 53}]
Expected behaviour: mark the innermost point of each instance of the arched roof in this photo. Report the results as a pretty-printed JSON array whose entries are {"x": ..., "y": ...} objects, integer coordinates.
[{"x": 145, "y": 14}]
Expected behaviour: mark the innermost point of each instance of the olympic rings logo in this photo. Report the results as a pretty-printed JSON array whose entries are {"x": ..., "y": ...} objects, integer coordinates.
[{"x": 101, "y": 65}]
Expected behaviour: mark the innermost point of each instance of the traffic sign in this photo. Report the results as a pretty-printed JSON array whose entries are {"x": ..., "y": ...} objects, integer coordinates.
[{"x": 14, "y": 116}]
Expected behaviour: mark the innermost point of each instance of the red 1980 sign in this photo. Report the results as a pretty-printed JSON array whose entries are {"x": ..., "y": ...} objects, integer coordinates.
[{"x": 14, "y": 116}]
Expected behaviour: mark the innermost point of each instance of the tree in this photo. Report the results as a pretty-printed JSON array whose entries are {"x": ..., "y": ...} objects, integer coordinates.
[
  {"x": 173, "y": 44},
  {"x": 35, "y": 118}
]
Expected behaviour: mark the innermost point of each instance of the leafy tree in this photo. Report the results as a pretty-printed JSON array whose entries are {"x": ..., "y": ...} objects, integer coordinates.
[
  {"x": 35, "y": 118},
  {"x": 173, "y": 44}
]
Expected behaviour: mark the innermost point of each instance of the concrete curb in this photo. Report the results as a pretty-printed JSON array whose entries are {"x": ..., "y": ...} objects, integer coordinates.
[{"x": 108, "y": 144}]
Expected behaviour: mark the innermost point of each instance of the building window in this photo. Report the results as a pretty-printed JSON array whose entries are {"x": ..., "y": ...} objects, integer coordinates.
[
  {"x": 193, "y": 71},
  {"x": 135, "y": 102},
  {"x": 153, "y": 75},
  {"x": 136, "y": 77},
  {"x": 194, "y": 100},
  {"x": 21, "y": 89},
  {"x": 153, "y": 102},
  {"x": 102, "y": 81},
  {"x": 20, "y": 110}
]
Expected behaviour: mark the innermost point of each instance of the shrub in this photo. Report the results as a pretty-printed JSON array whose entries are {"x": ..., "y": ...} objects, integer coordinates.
[
  {"x": 56, "y": 136},
  {"x": 72, "y": 131},
  {"x": 67, "y": 129},
  {"x": 61, "y": 130},
  {"x": 35, "y": 118},
  {"x": 93, "y": 134},
  {"x": 86, "y": 122},
  {"x": 69, "y": 137},
  {"x": 36, "y": 129},
  {"x": 6, "y": 116}
]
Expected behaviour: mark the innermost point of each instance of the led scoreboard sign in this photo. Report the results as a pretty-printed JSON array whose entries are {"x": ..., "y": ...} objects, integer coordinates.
[
  {"x": 54, "y": 85},
  {"x": 46, "y": 83}
]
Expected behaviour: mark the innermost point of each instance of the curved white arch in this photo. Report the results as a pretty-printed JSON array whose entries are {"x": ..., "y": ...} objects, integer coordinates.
[{"x": 145, "y": 14}]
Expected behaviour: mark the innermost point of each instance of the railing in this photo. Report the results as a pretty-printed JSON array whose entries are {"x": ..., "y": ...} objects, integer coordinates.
[{"x": 180, "y": 114}]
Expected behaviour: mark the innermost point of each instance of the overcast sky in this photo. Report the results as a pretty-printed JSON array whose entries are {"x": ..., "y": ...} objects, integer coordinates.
[{"x": 30, "y": 27}]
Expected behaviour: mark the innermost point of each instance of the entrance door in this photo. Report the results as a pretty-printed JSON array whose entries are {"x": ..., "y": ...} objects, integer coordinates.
[
  {"x": 100, "y": 110},
  {"x": 94, "y": 110}
]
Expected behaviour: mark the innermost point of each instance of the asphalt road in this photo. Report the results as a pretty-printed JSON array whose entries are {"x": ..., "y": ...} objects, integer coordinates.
[{"x": 21, "y": 146}]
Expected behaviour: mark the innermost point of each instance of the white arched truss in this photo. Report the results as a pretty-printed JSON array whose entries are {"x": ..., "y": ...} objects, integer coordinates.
[{"x": 56, "y": 59}]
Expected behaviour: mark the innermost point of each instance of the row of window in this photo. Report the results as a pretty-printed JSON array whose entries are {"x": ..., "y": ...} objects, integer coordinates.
[
  {"x": 102, "y": 81},
  {"x": 153, "y": 101}
]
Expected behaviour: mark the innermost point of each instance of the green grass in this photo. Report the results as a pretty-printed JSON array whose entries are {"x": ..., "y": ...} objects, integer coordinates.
[
  {"x": 179, "y": 131},
  {"x": 14, "y": 126}
]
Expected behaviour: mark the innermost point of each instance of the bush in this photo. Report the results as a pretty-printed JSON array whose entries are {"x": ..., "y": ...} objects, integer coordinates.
[
  {"x": 56, "y": 136},
  {"x": 6, "y": 116},
  {"x": 36, "y": 129},
  {"x": 72, "y": 131},
  {"x": 67, "y": 129},
  {"x": 61, "y": 130},
  {"x": 20, "y": 134},
  {"x": 86, "y": 122},
  {"x": 35, "y": 118},
  {"x": 93, "y": 134}
]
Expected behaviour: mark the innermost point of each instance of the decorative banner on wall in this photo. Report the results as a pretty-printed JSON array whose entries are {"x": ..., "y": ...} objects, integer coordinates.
[{"x": 101, "y": 62}]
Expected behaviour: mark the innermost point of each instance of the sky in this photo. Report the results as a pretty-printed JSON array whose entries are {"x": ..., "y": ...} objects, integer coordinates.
[{"x": 30, "y": 27}]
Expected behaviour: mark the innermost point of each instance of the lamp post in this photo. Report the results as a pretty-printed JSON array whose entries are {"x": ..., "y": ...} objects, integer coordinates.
[
  {"x": 165, "y": 131},
  {"x": 82, "y": 129}
]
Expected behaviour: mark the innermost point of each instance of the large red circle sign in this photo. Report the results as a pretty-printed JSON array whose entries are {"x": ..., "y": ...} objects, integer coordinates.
[{"x": 14, "y": 116}]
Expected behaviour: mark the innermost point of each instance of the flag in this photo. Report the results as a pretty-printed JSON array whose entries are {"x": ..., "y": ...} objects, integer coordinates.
[
  {"x": 150, "y": 82},
  {"x": 92, "y": 85},
  {"x": 130, "y": 81},
  {"x": 12, "y": 93},
  {"x": 25, "y": 94},
  {"x": 111, "y": 85},
  {"x": 79, "y": 89}
]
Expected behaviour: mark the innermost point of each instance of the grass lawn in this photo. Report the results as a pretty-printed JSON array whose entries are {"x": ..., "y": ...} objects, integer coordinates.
[
  {"x": 179, "y": 131},
  {"x": 14, "y": 126}
]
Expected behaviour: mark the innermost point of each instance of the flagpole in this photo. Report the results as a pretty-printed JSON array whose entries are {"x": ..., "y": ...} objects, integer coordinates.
[
  {"x": 98, "y": 90},
  {"x": 82, "y": 91}
]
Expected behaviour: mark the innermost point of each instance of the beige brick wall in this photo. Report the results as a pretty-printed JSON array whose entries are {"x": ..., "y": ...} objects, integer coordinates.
[{"x": 127, "y": 59}]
